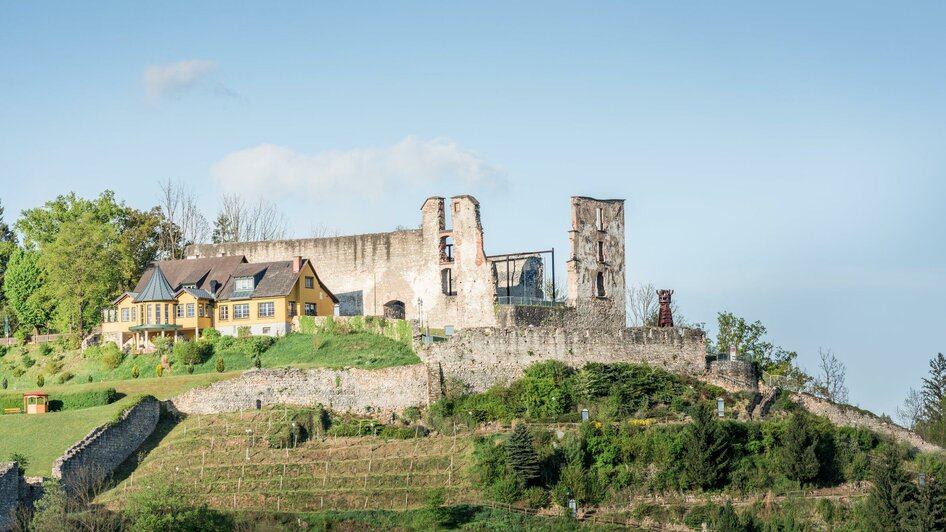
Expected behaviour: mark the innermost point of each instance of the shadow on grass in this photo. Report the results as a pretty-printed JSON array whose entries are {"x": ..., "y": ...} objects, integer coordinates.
[{"x": 166, "y": 423}]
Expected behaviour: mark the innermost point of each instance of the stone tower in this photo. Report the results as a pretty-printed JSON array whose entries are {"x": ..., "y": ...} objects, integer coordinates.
[{"x": 596, "y": 275}]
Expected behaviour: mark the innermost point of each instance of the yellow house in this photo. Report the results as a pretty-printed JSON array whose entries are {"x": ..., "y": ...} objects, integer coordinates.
[{"x": 180, "y": 298}]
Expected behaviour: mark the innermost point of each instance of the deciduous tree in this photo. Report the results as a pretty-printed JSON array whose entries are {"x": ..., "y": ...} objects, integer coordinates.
[
  {"x": 23, "y": 289},
  {"x": 830, "y": 383}
]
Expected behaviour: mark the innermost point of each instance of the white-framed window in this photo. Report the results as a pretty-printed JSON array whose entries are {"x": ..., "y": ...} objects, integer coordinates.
[
  {"x": 241, "y": 311},
  {"x": 200, "y": 310},
  {"x": 244, "y": 284},
  {"x": 126, "y": 314},
  {"x": 179, "y": 311},
  {"x": 190, "y": 310},
  {"x": 224, "y": 312},
  {"x": 149, "y": 313},
  {"x": 266, "y": 310},
  {"x": 134, "y": 313},
  {"x": 310, "y": 309},
  {"x": 167, "y": 313}
]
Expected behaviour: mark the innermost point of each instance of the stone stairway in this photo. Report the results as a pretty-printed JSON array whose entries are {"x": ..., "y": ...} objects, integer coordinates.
[{"x": 762, "y": 409}]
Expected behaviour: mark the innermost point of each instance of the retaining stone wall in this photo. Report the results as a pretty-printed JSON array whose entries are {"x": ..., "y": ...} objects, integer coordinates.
[
  {"x": 483, "y": 357},
  {"x": 9, "y": 494},
  {"x": 102, "y": 450},
  {"x": 849, "y": 417},
  {"x": 732, "y": 375},
  {"x": 343, "y": 390}
]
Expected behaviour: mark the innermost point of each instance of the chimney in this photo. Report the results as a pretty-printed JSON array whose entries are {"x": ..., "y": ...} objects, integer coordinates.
[{"x": 296, "y": 264}]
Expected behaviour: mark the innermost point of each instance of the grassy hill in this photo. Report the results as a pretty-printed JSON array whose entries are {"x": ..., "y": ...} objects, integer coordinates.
[
  {"x": 215, "y": 459},
  {"x": 42, "y": 438}
]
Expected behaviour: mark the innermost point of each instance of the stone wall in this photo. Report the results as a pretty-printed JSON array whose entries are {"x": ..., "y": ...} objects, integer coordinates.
[
  {"x": 342, "y": 390},
  {"x": 98, "y": 454},
  {"x": 483, "y": 357},
  {"x": 9, "y": 494},
  {"x": 733, "y": 375},
  {"x": 847, "y": 416}
]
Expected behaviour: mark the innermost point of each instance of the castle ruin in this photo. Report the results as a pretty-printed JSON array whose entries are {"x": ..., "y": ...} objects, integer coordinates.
[{"x": 440, "y": 275}]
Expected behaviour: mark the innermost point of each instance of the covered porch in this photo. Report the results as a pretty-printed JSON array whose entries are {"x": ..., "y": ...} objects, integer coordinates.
[{"x": 144, "y": 335}]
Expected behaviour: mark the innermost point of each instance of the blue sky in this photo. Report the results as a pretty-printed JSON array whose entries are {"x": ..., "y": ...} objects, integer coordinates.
[{"x": 783, "y": 162}]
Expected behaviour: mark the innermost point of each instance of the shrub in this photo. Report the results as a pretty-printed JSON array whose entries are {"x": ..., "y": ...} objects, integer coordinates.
[
  {"x": 306, "y": 324},
  {"x": 40, "y": 381},
  {"x": 190, "y": 369},
  {"x": 188, "y": 353},
  {"x": 211, "y": 335},
  {"x": 162, "y": 345},
  {"x": 51, "y": 366},
  {"x": 412, "y": 413},
  {"x": 507, "y": 489},
  {"x": 135, "y": 372},
  {"x": 27, "y": 361},
  {"x": 3, "y": 350},
  {"x": 111, "y": 356},
  {"x": 328, "y": 325},
  {"x": 4, "y": 383},
  {"x": 243, "y": 331},
  {"x": 220, "y": 367},
  {"x": 66, "y": 376},
  {"x": 536, "y": 497},
  {"x": 88, "y": 399},
  {"x": 159, "y": 370},
  {"x": 45, "y": 349}
]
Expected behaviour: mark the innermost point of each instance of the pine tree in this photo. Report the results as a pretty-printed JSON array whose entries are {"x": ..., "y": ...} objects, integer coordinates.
[
  {"x": 727, "y": 520},
  {"x": 798, "y": 456},
  {"x": 934, "y": 390},
  {"x": 706, "y": 449},
  {"x": 521, "y": 455},
  {"x": 930, "y": 512},
  {"x": 892, "y": 496}
]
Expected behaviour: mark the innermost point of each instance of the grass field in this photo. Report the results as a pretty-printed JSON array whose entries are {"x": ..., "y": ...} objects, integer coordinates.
[{"x": 43, "y": 438}]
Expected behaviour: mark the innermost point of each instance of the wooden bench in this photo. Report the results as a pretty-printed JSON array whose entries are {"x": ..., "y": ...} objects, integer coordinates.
[{"x": 12, "y": 411}]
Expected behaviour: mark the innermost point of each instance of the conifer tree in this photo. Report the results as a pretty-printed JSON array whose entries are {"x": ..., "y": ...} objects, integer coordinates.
[
  {"x": 521, "y": 455},
  {"x": 797, "y": 455},
  {"x": 706, "y": 449},
  {"x": 892, "y": 496},
  {"x": 934, "y": 389},
  {"x": 931, "y": 506},
  {"x": 727, "y": 520}
]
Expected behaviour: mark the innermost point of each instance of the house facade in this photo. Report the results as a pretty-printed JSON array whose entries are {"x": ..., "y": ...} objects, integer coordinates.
[{"x": 180, "y": 298}]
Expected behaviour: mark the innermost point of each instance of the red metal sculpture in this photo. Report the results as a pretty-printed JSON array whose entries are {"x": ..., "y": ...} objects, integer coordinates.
[{"x": 665, "y": 317}]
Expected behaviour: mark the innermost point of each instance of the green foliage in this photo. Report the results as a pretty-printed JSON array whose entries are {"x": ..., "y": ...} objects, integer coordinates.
[
  {"x": 930, "y": 508},
  {"x": 40, "y": 380},
  {"x": 109, "y": 355},
  {"x": 22, "y": 288},
  {"x": 891, "y": 495},
  {"x": 22, "y": 462},
  {"x": 219, "y": 365},
  {"x": 166, "y": 507},
  {"x": 748, "y": 339},
  {"x": 521, "y": 455},
  {"x": 437, "y": 514},
  {"x": 307, "y": 325},
  {"x": 706, "y": 453},
  {"x": 45, "y": 349},
  {"x": 187, "y": 352},
  {"x": 27, "y": 361},
  {"x": 162, "y": 345},
  {"x": 546, "y": 389},
  {"x": 135, "y": 372},
  {"x": 798, "y": 454},
  {"x": 327, "y": 326},
  {"x": 159, "y": 370},
  {"x": 243, "y": 331},
  {"x": 4, "y": 383},
  {"x": 211, "y": 335}
]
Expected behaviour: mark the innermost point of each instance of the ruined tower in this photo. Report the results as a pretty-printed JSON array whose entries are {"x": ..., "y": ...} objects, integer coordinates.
[{"x": 596, "y": 274}]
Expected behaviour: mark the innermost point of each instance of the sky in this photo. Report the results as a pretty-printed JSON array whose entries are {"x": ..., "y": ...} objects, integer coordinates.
[{"x": 781, "y": 161}]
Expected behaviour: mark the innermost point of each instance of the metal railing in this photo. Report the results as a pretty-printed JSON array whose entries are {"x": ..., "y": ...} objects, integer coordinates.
[{"x": 528, "y": 301}]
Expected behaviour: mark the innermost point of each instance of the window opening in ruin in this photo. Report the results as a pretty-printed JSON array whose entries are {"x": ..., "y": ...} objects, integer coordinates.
[
  {"x": 394, "y": 310},
  {"x": 448, "y": 217},
  {"x": 600, "y": 251},
  {"x": 599, "y": 219},
  {"x": 446, "y": 249},
  {"x": 446, "y": 281},
  {"x": 599, "y": 284}
]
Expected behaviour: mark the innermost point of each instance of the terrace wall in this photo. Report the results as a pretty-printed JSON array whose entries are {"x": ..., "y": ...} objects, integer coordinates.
[{"x": 9, "y": 494}]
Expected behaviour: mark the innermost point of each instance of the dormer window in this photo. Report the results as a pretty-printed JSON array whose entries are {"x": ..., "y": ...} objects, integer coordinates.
[
  {"x": 192, "y": 286},
  {"x": 244, "y": 284}
]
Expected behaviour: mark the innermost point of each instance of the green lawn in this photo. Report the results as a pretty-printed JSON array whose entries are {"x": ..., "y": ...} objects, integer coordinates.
[{"x": 44, "y": 437}]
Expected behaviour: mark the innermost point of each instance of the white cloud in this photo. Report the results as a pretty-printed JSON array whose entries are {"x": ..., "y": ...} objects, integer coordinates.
[
  {"x": 175, "y": 78},
  {"x": 410, "y": 162}
]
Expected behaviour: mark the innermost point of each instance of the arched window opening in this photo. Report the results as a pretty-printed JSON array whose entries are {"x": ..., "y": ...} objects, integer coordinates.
[{"x": 394, "y": 310}]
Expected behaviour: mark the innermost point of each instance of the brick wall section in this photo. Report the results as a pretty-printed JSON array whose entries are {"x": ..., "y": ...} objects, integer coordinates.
[
  {"x": 342, "y": 390},
  {"x": 9, "y": 494},
  {"x": 846, "y": 416},
  {"x": 107, "y": 446},
  {"x": 486, "y": 356}
]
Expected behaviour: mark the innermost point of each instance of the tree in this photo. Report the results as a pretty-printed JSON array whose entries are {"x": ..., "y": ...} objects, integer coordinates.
[
  {"x": 798, "y": 455},
  {"x": 7, "y": 247},
  {"x": 521, "y": 455},
  {"x": 642, "y": 303},
  {"x": 748, "y": 339},
  {"x": 706, "y": 453},
  {"x": 42, "y": 225},
  {"x": 22, "y": 287},
  {"x": 184, "y": 223},
  {"x": 930, "y": 509},
  {"x": 892, "y": 495},
  {"x": 138, "y": 243},
  {"x": 911, "y": 412},
  {"x": 238, "y": 221},
  {"x": 830, "y": 382},
  {"x": 934, "y": 390},
  {"x": 80, "y": 273}
]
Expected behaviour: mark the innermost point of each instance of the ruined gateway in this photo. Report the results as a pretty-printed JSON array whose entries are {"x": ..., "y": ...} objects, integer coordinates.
[{"x": 441, "y": 276}]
